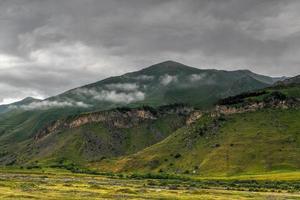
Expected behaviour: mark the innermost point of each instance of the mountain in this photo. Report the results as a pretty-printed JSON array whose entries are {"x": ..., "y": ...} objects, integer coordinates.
[
  {"x": 24, "y": 102},
  {"x": 289, "y": 81},
  {"x": 164, "y": 83},
  {"x": 251, "y": 133},
  {"x": 161, "y": 84},
  {"x": 44, "y": 131}
]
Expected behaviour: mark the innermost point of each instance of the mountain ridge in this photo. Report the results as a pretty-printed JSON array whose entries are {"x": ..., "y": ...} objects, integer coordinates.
[
  {"x": 165, "y": 77},
  {"x": 166, "y": 68}
]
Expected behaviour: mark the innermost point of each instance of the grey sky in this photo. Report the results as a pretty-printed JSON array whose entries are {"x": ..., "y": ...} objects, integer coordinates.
[{"x": 48, "y": 46}]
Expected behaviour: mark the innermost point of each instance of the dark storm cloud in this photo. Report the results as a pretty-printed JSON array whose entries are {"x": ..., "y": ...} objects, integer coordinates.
[{"x": 49, "y": 46}]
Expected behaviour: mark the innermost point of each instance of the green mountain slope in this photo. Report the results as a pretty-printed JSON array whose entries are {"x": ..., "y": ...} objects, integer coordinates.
[
  {"x": 166, "y": 83},
  {"x": 254, "y": 142},
  {"x": 94, "y": 136},
  {"x": 161, "y": 84},
  {"x": 250, "y": 133}
]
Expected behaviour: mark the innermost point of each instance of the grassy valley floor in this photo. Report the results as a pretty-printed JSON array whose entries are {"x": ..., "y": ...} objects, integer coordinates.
[{"x": 60, "y": 184}]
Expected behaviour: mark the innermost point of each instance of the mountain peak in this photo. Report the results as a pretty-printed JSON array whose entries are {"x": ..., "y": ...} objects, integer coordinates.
[
  {"x": 169, "y": 63},
  {"x": 168, "y": 66},
  {"x": 245, "y": 71},
  {"x": 26, "y": 100}
]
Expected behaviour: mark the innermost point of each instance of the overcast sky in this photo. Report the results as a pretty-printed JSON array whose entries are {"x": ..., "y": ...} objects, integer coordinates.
[{"x": 49, "y": 46}]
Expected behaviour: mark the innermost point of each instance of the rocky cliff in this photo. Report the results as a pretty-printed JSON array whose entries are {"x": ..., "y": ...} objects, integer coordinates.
[{"x": 116, "y": 118}]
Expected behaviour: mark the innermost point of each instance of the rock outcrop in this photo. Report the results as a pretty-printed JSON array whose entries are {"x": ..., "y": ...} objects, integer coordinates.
[{"x": 117, "y": 118}]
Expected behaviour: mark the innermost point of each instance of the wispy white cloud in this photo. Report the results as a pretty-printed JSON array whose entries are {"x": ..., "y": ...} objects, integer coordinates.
[
  {"x": 122, "y": 86},
  {"x": 44, "y": 105},
  {"x": 144, "y": 77},
  {"x": 196, "y": 77},
  {"x": 126, "y": 96},
  {"x": 167, "y": 79},
  {"x": 120, "y": 97},
  {"x": 5, "y": 101},
  {"x": 85, "y": 92}
]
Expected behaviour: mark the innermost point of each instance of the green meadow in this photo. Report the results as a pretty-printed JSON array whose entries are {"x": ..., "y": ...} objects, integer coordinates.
[{"x": 62, "y": 184}]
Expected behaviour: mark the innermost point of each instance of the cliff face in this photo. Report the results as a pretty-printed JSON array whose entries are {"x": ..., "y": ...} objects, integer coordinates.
[
  {"x": 254, "y": 106},
  {"x": 122, "y": 119},
  {"x": 113, "y": 118},
  {"x": 194, "y": 116},
  {"x": 246, "y": 107},
  {"x": 104, "y": 134}
]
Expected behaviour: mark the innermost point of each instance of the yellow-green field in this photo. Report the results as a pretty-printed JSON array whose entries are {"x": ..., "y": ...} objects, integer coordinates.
[{"x": 54, "y": 184}]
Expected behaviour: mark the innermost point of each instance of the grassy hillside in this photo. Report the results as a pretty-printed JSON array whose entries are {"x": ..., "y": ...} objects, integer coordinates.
[
  {"x": 264, "y": 140},
  {"x": 256, "y": 142},
  {"x": 120, "y": 132}
]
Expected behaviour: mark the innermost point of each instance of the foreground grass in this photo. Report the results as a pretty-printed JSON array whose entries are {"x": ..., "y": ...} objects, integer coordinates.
[
  {"x": 267, "y": 176},
  {"x": 60, "y": 184}
]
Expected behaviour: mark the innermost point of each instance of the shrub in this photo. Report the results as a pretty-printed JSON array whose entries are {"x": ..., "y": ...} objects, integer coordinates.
[
  {"x": 239, "y": 98},
  {"x": 275, "y": 96},
  {"x": 177, "y": 155},
  {"x": 153, "y": 164},
  {"x": 33, "y": 167}
]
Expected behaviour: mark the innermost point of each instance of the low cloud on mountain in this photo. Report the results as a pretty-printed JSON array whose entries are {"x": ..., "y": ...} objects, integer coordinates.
[
  {"x": 120, "y": 97},
  {"x": 196, "y": 77},
  {"x": 144, "y": 78},
  {"x": 122, "y": 86},
  {"x": 167, "y": 79},
  {"x": 43, "y": 105},
  {"x": 129, "y": 94}
]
